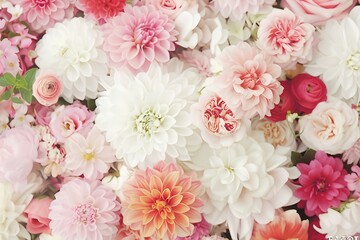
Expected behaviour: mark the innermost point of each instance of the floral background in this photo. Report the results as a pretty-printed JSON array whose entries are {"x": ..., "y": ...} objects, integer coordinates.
[{"x": 179, "y": 119}]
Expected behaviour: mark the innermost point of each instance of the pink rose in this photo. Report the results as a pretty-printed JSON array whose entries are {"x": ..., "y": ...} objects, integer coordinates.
[
  {"x": 37, "y": 213},
  {"x": 18, "y": 151},
  {"x": 65, "y": 121},
  {"x": 286, "y": 37},
  {"x": 42, "y": 114},
  {"x": 308, "y": 91},
  {"x": 47, "y": 89},
  {"x": 286, "y": 104},
  {"x": 317, "y": 12}
]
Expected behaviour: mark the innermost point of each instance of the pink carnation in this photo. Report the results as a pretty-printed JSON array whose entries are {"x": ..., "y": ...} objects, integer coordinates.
[
  {"x": 65, "y": 121},
  {"x": 162, "y": 202},
  {"x": 101, "y": 10},
  {"x": 322, "y": 184},
  {"x": 42, "y": 15},
  {"x": 139, "y": 36},
  {"x": 248, "y": 82},
  {"x": 286, "y": 37},
  {"x": 317, "y": 12},
  {"x": 18, "y": 151},
  {"x": 84, "y": 210},
  {"x": 353, "y": 181}
]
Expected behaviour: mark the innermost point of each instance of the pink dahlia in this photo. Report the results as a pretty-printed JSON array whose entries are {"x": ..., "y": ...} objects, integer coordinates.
[
  {"x": 84, "y": 210},
  {"x": 162, "y": 202},
  {"x": 353, "y": 181},
  {"x": 43, "y": 14},
  {"x": 322, "y": 183},
  {"x": 248, "y": 82},
  {"x": 101, "y": 10},
  {"x": 139, "y": 36}
]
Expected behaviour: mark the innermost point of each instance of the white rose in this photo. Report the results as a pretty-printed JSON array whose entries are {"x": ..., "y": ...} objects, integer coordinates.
[{"x": 331, "y": 127}]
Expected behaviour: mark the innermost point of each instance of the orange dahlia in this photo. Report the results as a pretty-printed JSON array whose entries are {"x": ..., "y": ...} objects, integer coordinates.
[{"x": 162, "y": 202}]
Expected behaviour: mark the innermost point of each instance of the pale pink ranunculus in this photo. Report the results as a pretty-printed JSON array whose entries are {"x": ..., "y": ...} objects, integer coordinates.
[
  {"x": 37, "y": 213},
  {"x": 331, "y": 127},
  {"x": 317, "y": 12},
  {"x": 248, "y": 82},
  {"x": 47, "y": 89},
  {"x": 286, "y": 37},
  {"x": 66, "y": 120},
  {"x": 18, "y": 151}
]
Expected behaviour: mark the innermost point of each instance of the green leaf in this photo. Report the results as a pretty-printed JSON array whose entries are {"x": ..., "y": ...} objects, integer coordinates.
[
  {"x": 26, "y": 95},
  {"x": 16, "y": 100},
  {"x": 8, "y": 79},
  {"x": 90, "y": 103},
  {"x": 30, "y": 77},
  {"x": 306, "y": 157},
  {"x": 6, "y": 95}
]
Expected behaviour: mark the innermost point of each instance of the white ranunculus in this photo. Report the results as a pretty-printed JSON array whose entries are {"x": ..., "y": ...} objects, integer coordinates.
[
  {"x": 331, "y": 127},
  {"x": 345, "y": 223},
  {"x": 146, "y": 116},
  {"x": 245, "y": 182},
  {"x": 72, "y": 50}
]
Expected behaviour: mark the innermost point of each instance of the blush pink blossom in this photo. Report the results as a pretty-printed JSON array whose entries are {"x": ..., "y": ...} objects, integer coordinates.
[
  {"x": 198, "y": 60},
  {"x": 42, "y": 15},
  {"x": 37, "y": 215},
  {"x": 353, "y": 181},
  {"x": 9, "y": 61},
  {"x": 286, "y": 37},
  {"x": 84, "y": 210},
  {"x": 42, "y": 114},
  {"x": 139, "y": 36},
  {"x": 201, "y": 229},
  {"x": 317, "y": 12},
  {"x": 352, "y": 155},
  {"x": 101, "y": 10},
  {"x": 322, "y": 184},
  {"x": 248, "y": 82},
  {"x": 18, "y": 151},
  {"x": 163, "y": 202},
  {"x": 66, "y": 120},
  {"x": 47, "y": 89}
]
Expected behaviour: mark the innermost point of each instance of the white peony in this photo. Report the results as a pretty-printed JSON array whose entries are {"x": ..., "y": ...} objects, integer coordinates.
[
  {"x": 337, "y": 59},
  {"x": 332, "y": 127},
  {"x": 245, "y": 182},
  {"x": 12, "y": 206},
  {"x": 72, "y": 50},
  {"x": 345, "y": 223},
  {"x": 146, "y": 116}
]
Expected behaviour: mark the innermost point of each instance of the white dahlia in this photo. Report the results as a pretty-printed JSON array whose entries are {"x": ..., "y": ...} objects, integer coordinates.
[
  {"x": 147, "y": 115},
  {"x": 245, "y": 182},
  {"x": 337, "y": 59},
  {"x": 72, "y": 50}
]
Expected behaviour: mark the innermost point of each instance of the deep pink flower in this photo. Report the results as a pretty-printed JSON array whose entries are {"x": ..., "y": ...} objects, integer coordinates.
[
  {"x": 162, "y": 201},
  {"x": 84, "y": 210},
  {"x": 353, "y": 181},
  {"x": 43, "y": 14},
  {"x": 101, "y": 10},
  {"x": 248, "y": 82},
  {"x": 322, "y": 184},
  {"x": 139, "y": 36}
]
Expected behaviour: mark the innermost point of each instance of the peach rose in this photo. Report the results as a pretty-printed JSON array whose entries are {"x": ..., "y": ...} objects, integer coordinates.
[
  {"x": 37, "y": 213},
  {"x": 317, "y": 12},
  {"x": 47, "y": 89}
]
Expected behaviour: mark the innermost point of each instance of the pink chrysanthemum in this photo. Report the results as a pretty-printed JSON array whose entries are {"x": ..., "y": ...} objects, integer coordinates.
[
  {"x": 84, "y": 210},
  {"x": 139, "y": 36},
  {"x": 249, "y": 82},
  {"x": 353, "y": 181},
  {"x": 162, "y": 202},
  {"x": 43, "y": 14},
  {"x": 322, "y": 184},
  {"x": 101, "y": 9}
]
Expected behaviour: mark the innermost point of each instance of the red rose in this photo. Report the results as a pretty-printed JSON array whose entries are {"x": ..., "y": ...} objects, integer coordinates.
[
  {"x": 286, "y": 104},
  {"x": 308, "y": 91}
]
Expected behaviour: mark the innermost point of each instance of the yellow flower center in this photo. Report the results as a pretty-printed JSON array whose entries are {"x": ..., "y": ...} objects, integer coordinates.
[{"x": 88, "y": 156}]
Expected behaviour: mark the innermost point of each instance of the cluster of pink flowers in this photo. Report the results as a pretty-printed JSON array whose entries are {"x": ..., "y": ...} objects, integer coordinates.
[{"x": 179, "y": 119}]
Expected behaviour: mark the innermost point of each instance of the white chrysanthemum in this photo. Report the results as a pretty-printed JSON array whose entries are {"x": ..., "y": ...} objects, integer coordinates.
[
  {"x": 147, "y": 115},
  {"x": 245, "y": 182},
  {"x": 12, "y": 206},
  {"x": 72, "y": 51},
  {"x": 345, "y": 223},
  {"x": 337, "y": 59}
]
